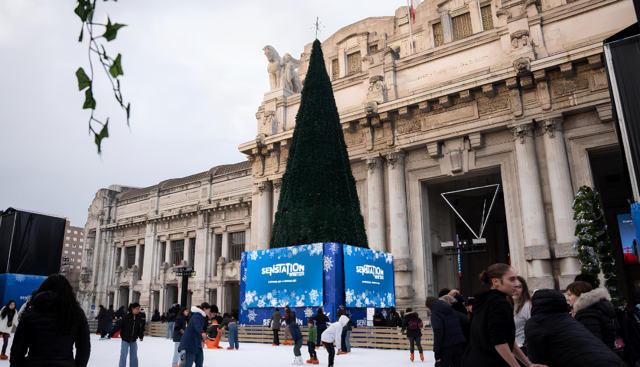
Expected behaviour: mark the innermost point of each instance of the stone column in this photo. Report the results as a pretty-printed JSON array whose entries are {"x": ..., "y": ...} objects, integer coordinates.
[
  {"x": 561, "y": 199},
  {"x": 225, "y": 244},
  {"x": 399, "y": 234},
  {"x": 376, "y": 228},
  {"x": 264, "y": 214},
  {"x": 277, "y": 185},
  {"x": 536, "y": 250},
  {"x": 187, "y": 250},
  {"x": 167, "y": 250},
  {"x": 122, "y": 257}
]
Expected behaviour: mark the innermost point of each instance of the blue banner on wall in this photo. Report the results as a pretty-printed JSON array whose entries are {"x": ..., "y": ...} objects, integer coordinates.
[
  {"x": 368, "y": 278},
  {"x": 18, "y": 287}
]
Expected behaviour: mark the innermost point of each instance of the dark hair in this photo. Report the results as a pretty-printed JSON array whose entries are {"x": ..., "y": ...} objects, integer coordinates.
[
  {"x": 341, "y": 313},
  {"x": 392, "y": 309},
  {"x": 310, "y": 320},
  {"x": 277, "y": 309},
  {"x": 320, "y": 311},
  {"x": 66, "y": 307},
  {"x": 6, "y": 310},
  {"x": 134, "y": 305},
  {"x": 111, "y": 307},
  {"x": 524, "y": 297},
  {"x": 577, "y": 288},
  {"x": 205, "y": 305},
  {"x": 430, "y": 301},
  {"x": 408, "y": 309},
  {"x": 494, "y": 271},
  {"x": 586, "y": 278},
  {"x": 443, "y": 291},
  {"x": 182, "y": 310}
]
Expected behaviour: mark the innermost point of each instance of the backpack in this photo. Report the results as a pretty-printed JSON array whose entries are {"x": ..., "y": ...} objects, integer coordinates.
[{"x": 414, "y": 324}]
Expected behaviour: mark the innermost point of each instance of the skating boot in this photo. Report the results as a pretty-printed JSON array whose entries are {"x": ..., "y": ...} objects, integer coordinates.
[
  {"x": 422, "y": 357},
  {"x": 411, "y": 357},
  {"x": 315, "y": 360}
]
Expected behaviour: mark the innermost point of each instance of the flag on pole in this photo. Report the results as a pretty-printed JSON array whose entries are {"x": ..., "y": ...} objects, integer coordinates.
[{"x": 412, "y": 10}]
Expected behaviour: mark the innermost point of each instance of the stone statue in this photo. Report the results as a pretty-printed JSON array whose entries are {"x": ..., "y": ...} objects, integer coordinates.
[{"x": 282, "y": 71}]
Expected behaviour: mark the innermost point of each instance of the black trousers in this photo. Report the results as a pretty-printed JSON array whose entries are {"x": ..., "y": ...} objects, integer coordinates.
[
  {"x": 343, "y": 339},
  {"x": 451, "y": 356},
  {"x": 332, "y": 352},
  {"x": 5, "y": 341},
  {"x": 276, "y": 337},
  {"x": 312, "y": 349},
  {"x": 415, "y": 340}
]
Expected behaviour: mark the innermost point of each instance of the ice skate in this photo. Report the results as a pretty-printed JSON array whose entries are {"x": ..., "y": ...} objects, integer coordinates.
[
  {"x": 411, "y": 357},
  {"x": 422, "y": 357},
  {"x": 315, "y": 360}
]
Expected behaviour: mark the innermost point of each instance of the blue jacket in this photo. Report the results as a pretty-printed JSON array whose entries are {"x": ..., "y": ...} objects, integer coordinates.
[
  {"x": 191, "y": 341},
  {"x": 179, "y": 324},
  {"x": 296, "y": 334},
  {"x": 447, "y": 326}
]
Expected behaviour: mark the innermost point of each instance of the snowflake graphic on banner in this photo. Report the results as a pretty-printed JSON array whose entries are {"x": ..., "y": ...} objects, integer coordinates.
[
  {"x": 335, "y": 248},
  {"x": 349, "y": 296},
  {"x": 254, "y": 255},
  {"x": 328, "y": 263},
  {"x": 252, "y": 315},
  {"x": 243, "y": 256},
  {"x": 308, "y": 312},
  {"x": 369, "y": 298},
  {"x": 349, "y": 250},
  {"x": 313, "y": 295},
  {"x": 316, "y": 249},
  {"x": 20, "y": 278}
]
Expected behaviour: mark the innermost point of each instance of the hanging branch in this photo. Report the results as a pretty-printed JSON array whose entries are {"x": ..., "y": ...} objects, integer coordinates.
[{"x": 112, "y": 67}]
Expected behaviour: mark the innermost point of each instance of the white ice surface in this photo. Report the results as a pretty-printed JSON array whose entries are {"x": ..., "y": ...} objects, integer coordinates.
[{"x": 153, "y": 352}]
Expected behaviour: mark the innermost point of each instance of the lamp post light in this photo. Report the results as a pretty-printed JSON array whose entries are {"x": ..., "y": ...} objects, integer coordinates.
[{"x": 185, "y": 272}]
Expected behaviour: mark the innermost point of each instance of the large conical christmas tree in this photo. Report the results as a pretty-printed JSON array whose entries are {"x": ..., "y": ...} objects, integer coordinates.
[{"x": 318, "y": 201}]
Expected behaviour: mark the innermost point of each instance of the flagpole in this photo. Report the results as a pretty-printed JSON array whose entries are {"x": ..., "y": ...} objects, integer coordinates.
[{"x": 410, "y": 25}]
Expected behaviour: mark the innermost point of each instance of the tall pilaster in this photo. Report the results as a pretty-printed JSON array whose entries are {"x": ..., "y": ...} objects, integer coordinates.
[
  {"x": 376, "y": 228},
  {"x": 277, "y": 185},
  {"x": 536, "y": 250},
  {"x": 265, "y": 202},
  {"x": 561, "y": 199},
  {"x": 398, "y": 225}
]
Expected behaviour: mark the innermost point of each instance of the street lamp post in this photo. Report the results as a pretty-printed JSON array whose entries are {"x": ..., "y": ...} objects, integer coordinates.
[{"x": 185, "y": 272}]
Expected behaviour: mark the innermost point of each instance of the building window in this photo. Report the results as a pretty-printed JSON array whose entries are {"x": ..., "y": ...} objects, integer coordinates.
[
  {"x": 354, "y": 64},
  {"x": 81, "y": 247},
  {"x": 75, "y": 232},
  {"x": 74, "y": 245},
  {"x": 163, "y": 252},
  {"x": 141, "y": 260},
  {"x": 438, "y": 35},
  {"x": 81, "y": 233},
  {"x": 373, "y": 49},
  {"x": 119, "y": 256},
  {"x": 131, "y": 256},
  {"x": 218, "y": 252},
  {"x": 192, "y": 250},
  {"x": 68, "y": 238},
  {"x": 79, "y": 260},
  {"x": 335, "y": 69},
  {"x": 82, "y": 240},
  {"x": 73, "y": 260},
  {"x": 66, "y": 251},
  {"x": 487, "y": 17},
  {"x": 73, "y": 252},
  {"x": 177, "y": 252},
  {"x": 237, "y": 245},
  {"x": 66, "y": 245},
  {"x": 75, "y": 239},
  {"x": 77, "y": 266},
  {"x": 68, "y": 231},
  {"x": 462, "y": 26}
]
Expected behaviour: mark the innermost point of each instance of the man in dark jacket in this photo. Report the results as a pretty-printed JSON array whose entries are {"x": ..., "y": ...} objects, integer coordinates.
[
  {"x": 111, "y": 315},
  {"x": 448, "y": 337},
  {"x": 102, "y": 322},
  {"x": 393, "y": 319},
  {"x": 594, "y": 310},
  {"x": 194, "y": 335},
  {"x": 131, "y": 327},
  {"x": 554, "y": 338},
  {"x": 120, "y": 313},
  {"x": 276, "y": 321},
  {"x": 156, "y": 316}
]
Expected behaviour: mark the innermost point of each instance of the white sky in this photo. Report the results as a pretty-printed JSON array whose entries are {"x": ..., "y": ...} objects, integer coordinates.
[{"x": 195, "y": 74}]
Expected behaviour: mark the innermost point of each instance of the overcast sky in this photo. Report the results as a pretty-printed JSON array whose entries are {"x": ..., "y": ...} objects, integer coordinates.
[{"x": 194, "y": 72}]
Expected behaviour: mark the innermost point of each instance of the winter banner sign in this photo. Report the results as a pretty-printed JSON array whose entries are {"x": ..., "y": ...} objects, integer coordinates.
[{"x": 368, "y": 278}]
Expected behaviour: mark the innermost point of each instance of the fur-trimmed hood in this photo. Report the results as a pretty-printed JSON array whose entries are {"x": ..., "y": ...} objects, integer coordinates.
[{"x": 589, "y": 299}]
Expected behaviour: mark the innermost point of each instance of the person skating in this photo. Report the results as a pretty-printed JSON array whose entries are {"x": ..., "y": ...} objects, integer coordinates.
[
  {"x": 493, "y": 331},
  {"x": 592, "y": 308},
  {"x": 448, "y": 335},
  {"x": 312, "y": 339},
  {"x": 276, "y": 323},
  {"x": 7, "y": 322},
  {"x": 554, "y": 338},
  {"x": 102, "y": 322},
  {"x": 51, "y": 327},
  {"x": 413, "y": 325},
  {"x": 393, "y": 318},
  {"x": 321, "y": 323},
  {"x": 156, "y": 316},
  {"x": 333, "y": 334},
  {"x": 111, "y": 315},
  {"x": 194, "y": 336},
  {"x": 296, "y": 337},
  {"x": 180, "y": 324},
  {"x": 287, "y": 331},
  {"x": 131, "y": 328},
  {"x": 233, "y": 333},
  {"x": 121, "y": 313}
]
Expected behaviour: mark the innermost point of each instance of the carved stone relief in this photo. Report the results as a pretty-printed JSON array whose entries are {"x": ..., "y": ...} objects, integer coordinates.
[
  {"x": 561, "y": 86},
  {"x": 522, "y": 65},
  {"x": 355, "y": 138},
  {"x": 520, "y": 39},
  {"x": 496, "y": 104},
  {"x": 406, "y": 126},
  {"x": 377, "y": 91}
]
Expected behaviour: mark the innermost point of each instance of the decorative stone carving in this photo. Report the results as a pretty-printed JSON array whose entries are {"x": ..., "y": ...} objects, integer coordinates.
[
  {"x": 371, "y": 108},
  {"x": 488, "y": 90},
  {"x": 434, "y": 149},
  {"x": 377, "y": 90},
  {"x": 456, "y": 160},
  {"x": 425, "y": 106},
  {"x": 262, "y": 186},
  {"x": 549, "y": 126},
  {"x": 393, "y": 158},
  {"x": 503, "y": 13},
  {"x": 445, "y": 101},
  {"x": 260, "y": 141},
  {"x": 282, "y": 71},
  {"x": 522, "y": 65},
  {"x": 520, "y": 39},
  {"x": 406, "y": 126},
  {"x": 466, "y": 96},
  {"x": 595, "y": 61},
  {"x": 404, "y": 112},
  {"x": 476, "y": 140},
  {"x": 389, "y": 133},
  {"x": 372, "y": 164},
  {"x": 277, "y": 184},
  {"x": 526, "y": 82},
  {"x": 522, "y": 131},
  {"x": 567, "y": 70},
  {"x": 512, "y": 83}
]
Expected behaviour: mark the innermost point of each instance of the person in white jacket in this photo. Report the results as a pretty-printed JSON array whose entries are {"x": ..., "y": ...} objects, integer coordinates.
[
  {"x": 334, "y": 333},
  {"x": 8, "y": 320}
]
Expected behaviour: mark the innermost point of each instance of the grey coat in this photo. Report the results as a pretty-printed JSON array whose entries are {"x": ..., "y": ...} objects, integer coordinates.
[{"x": 276, "y": 320}]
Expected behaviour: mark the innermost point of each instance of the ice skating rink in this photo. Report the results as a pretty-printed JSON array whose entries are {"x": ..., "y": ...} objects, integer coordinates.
[{"x": 157, "y": 352}]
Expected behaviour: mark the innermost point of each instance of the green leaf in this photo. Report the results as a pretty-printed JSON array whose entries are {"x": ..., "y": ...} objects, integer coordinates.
[
  {"x": 83, "y": 79},
  {"x": 128, "y": 112},
  {"x": 81, "y": 33},
  {"x": 83, "y": 9},
  {"x": 116, "y": 68},
  {"x": 112, "y": 30},
  {"x": 89, "y": 102},
  {"x": 104, "y": 133}
]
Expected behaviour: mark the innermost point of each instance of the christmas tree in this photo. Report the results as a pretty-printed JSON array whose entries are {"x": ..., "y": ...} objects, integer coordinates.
[
  {"x": 595, "y": 251},
  {"x": 318, "y": 201}
]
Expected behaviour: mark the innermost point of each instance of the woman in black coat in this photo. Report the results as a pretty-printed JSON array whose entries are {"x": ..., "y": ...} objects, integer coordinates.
[
  {"x": 448, "y": 335},
  {"x": 592, "y": 308},
  {"x": 554, "y": 338},
  {"x": 102, "y": 318},
  {"x": 493, "y": 331},
  {"x": 413, "y": 324},
  {"x": 321, "y": 322},
  {"x": 51, "y": 324}
]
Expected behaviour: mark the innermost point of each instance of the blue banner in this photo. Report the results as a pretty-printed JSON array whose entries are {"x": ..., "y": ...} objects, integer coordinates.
[
  {"x": 288, "y": 276},
  {"x": 368, "y": 278},
  {"x": 18, "y": 287},
  {"x": 628, "y": 239}
]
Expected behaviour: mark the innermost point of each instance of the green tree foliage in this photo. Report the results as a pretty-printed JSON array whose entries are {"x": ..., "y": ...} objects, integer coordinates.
[
  {"x": 318, "y": 201},
  {"x": 595, "y": 251},
  {"x": 85, "y": 10}
]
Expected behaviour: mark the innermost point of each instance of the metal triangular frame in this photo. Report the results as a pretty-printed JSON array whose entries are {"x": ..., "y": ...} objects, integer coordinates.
[{"x": 483, "y": 220}]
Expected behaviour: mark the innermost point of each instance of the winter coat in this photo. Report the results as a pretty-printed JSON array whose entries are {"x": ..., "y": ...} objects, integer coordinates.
[
  {"x": 102, "y": 318},
  {"x": 447, "y": 327},
  {"x": 296, "y": 334},
  {"x": 594, "y": 311},
  {"x": 276, "y": 320},
  {"x": 131, "y": 328},
  {"x": 155, "y": 317},
  {"x": 111, "y": 314},
  {"x": 12, "y": 317},
  {"x": 120, "y": 313},
  {"x": 313, "y": 335},
  {"x": 459, "y": 305},
  {"x": 350, "y": 325},
  {"x": 48, "y": 343},
  {"x": 320, "y": 319},
  {"x": 289, "y": 316},
  {"x": 411, "y": 333},
  {"x": 630, "y": 333},
  {"x": 556, "y": 339},
  {"x": 393, "y": 319},
  {"x": 334, "y": 332},
  {"x": 179, "y": 324},
  {"x": 191, "y": 341},
  {"x": 492, "y": 325}
]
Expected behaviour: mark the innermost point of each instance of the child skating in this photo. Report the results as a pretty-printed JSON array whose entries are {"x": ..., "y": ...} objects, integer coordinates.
[
  {"x": 311, "y": 343},
  {"x": 296, "y": 336},
  {"x": 334, "y": 334},
  {"x": 233, "y": 333}
]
